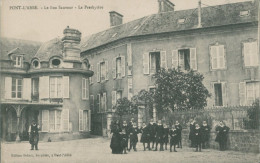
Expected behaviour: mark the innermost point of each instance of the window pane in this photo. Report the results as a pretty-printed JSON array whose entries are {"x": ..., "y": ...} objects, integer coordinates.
[
  {"x": 58, "y": 120},
  {"x": 52, "y": 120}
]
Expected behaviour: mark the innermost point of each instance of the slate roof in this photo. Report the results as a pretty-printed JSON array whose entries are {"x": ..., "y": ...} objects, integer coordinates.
[
  {"x": 213, "y": 16},
  {"x": 11, "y": 46},
  {"x": 49, "y": 49}
]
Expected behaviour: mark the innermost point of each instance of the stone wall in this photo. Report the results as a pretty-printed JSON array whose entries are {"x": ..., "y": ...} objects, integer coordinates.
[{"x": 242, "y": 140}]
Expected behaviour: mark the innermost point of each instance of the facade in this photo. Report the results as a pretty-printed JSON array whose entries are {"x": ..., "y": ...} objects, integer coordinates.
[
  {"x": 47, "y": 83},
  {"x": 220, "y": 42}
]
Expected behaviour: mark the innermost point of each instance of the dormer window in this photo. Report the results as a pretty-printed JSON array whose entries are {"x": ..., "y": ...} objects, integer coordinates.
[
  {"x": 181, "y": 21},
  {"x": 36, "y": 64},
  {"x": 55, "y": 63},
  {"x": 244, "y": 13},
  {"x": 18, "y": 61}
]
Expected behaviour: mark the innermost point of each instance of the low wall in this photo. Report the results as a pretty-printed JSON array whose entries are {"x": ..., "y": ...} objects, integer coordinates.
[
  {"x": 63, "y": 136},
  {"x": 242, "y": 140}
]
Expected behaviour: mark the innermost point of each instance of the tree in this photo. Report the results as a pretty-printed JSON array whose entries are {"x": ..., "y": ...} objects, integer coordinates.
[
  {"x": 253, "y": 114},
  {"x": 144, "y": 98},
  {"x": 124, "y": 107},
  {"x": 177, "y": 90}
]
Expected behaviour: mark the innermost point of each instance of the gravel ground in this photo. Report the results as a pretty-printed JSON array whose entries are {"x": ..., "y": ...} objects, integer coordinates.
[{"x": 96, "y": 150}]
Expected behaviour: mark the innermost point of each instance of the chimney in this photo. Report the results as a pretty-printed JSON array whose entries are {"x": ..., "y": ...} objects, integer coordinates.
[
  {"x": 115, "y": 18},
  {"x": 165, "y": 6},
  {"x": 199, "y": 14}
]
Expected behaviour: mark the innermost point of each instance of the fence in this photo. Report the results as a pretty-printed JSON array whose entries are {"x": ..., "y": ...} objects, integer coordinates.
[{"x": 235, "y": 117}]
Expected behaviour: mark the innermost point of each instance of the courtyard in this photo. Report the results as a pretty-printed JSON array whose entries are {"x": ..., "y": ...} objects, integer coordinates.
[{"x": 97, "y": 150}]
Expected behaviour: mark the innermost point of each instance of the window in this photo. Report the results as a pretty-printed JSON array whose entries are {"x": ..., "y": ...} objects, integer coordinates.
[
  {"x": 35, "y": 86},
  {"x": 181, "y": 21},
  {"x": 55, "y": 62},
  {"x": 85, "y": 92},
  {"x": 91, "y": 78},
  {"x": 83, "y": 120},
  {"x": 55, "y": 87},
  {"x": 219, "y": 94},
  {"x": 250, "y": 54},
  {"x": 185, "y": 59},
  {"x": 92, "y": 102},
  {"x": 102, "y": 71},
  {"x": 218, "y": 58},
  {"x": 244, "y": 13},
  {"x": 51, "y": 120},
  {"x": 154, "y": 62},
  {"x": 252, "y": 92},
  {"x": 118, "y": 67},
  {"x": 36, "y": 64},
  {"x": 115, "y": 96},
  {"x": 98, "y": 103},
  {"x": 16, "y": 88},
  {"x": 103, "y": 102},
  {"x": 18, "y": 61}
]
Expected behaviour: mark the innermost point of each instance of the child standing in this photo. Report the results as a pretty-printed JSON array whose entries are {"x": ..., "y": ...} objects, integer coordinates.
[
  {"x": 145, "y": 135},
  {"x": 174, "y": 138},
  {"x": 133, "y": 137},
  {"x": 165, "y": 135},
  {"x": 197, "y": 137}
]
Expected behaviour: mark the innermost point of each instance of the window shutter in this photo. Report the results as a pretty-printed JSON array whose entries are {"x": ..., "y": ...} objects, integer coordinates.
[
  {"x": 163, "y": 57},
  {"x": 65, "y": 119},
  {"x": 129, "y": 55},
  {"x": 224, "y": 93},
  {"x": 105, "y": 101},
  {"x": 8, "y": 87},
  {"x": 98, "y": 98},
  {"x": 130, "y": 88},
  {"x": 44, "y": 87},
  {"x": 213, "y": 56},
  {"x": 26, "y": 90},
  {"x": 114, "y": 68},
  {"x": 83, "y": 89},
  {"x": 66, "y": 87},
  {"x": 242, "y": 93},
  {"x": 254, "y": 56},
  {"x": 80, "y": 120},
  {"x": 98, "y": 72},
  {"x": 193, "y": 58},
  {"x": 89, "y": 120},
  {"x": 212, "y": 93},
  {"x": 257, "y": 87},
  {"x": 122, "y": 66},
  {"x": 146, "y": 63},
  {"x": 246, "y": 53},
  {"x": 175, "y": 61},
  {"x": 107, "y": 71},
  {"x": 90, "y": 78},
  {"x": 113, "y": 98},
  {"x": 221, "y": 56},
  {"x": 91, "y": 102},
  {"x": 45, "y": 120}
]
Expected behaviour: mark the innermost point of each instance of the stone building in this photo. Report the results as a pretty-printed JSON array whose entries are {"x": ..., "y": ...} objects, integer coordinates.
[
  {"x": 45, "y": 82},
  {"x": 220, "y": 42}
]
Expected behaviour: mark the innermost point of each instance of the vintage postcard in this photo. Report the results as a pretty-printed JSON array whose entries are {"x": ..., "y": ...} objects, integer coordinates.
[{"x": 129, "y": 81}]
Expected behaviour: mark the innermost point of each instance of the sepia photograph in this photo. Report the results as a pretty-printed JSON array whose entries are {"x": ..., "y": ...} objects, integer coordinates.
[{"x": 130, "y": 81}]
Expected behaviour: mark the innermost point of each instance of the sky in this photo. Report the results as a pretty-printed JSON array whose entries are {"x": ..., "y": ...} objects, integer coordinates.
[{"x": 45, "y": 24}]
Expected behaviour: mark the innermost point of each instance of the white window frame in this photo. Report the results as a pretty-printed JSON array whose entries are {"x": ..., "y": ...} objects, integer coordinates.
[
  {"x": 250, "y": 56},
  {"x": 16, "y": 88},
  {"x": 83, "y": 120},
  {"x": 18, "y": 63},
  {"x": 102, "y": 78},
  {"x": 56, "y": 95},
  {"x": 255, "y": 87},
  {"x": 119, "y": 68}
]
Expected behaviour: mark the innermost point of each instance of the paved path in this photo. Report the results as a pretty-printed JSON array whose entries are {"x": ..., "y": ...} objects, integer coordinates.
[{"x": 96, "y": 150}]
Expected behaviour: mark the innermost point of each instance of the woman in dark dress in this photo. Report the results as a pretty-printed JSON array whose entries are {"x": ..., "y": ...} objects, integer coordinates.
[
  {"x": 205, "y": 131},
  {"x": 145, "y": 135},
  {"x": 174, "y": 138},
  {"x": 222, "y": 135},
  {"x": 115, "y": 143}
]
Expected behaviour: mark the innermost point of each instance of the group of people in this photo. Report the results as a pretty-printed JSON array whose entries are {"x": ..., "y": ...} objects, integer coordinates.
[
  {"x": 125, "y": 136},
  {"x": 153, "y": 134}
]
